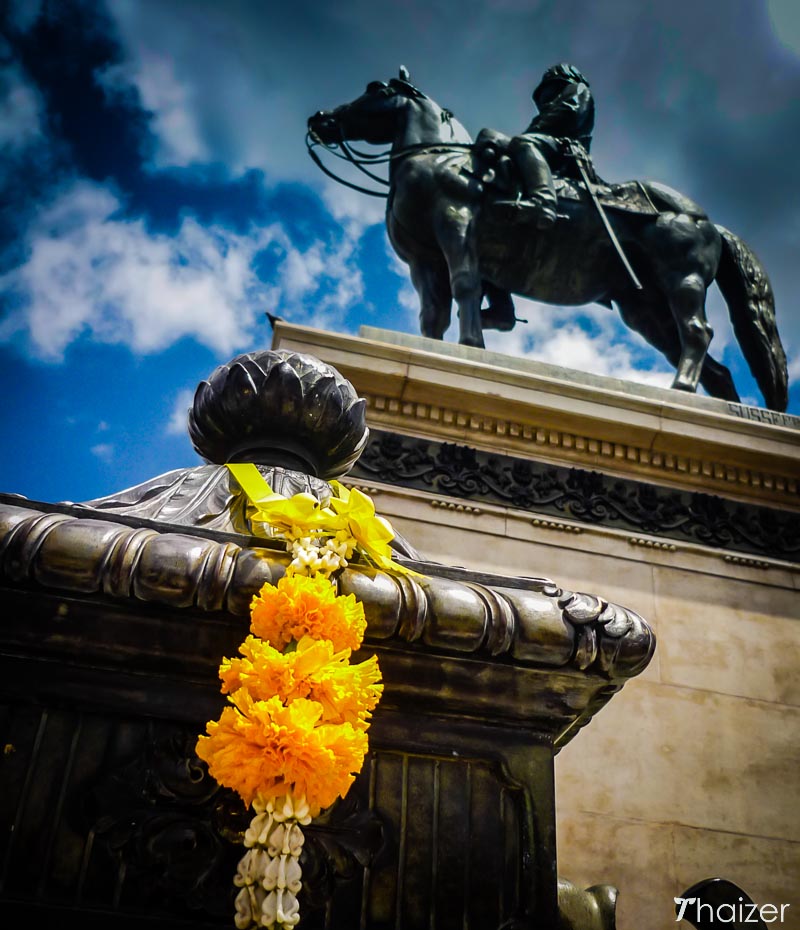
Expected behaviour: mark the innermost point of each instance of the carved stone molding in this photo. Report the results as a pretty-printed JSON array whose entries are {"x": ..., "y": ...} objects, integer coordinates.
[
  {"x": 669, "y": 547},
  {"x": 557, "y": 525},
  {"x": 519, "y": 407},
  {"x": 750, "y": 563},
  {"x": 583, "y": 497},
  {"x": 530, "y": 622},
  {"x": 543, "y": 441},
  {"x": 459, "y": 508}
]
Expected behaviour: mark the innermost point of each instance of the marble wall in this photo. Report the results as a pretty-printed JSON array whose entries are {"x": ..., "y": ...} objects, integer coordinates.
[{"x": 693, "y": 770}]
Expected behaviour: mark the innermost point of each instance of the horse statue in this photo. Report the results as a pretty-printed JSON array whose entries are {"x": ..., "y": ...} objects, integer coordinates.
[{"x": 655, "y": 262}]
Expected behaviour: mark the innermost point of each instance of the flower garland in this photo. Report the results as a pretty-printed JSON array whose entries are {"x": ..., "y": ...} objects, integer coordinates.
[{"x": 294, "y": 734}]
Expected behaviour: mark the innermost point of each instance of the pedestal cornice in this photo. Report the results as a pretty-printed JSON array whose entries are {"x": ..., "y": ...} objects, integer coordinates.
[
  {"x": 451, "y": 393},
  {"x": 546, "y": 657}
]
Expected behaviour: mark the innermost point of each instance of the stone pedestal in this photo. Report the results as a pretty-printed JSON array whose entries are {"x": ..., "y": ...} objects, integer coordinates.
[
  {"x": 684, "y": 508},
  {"x": 116, "y": 615}
]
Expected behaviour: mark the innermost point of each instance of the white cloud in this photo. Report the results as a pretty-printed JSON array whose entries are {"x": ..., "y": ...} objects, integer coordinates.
[
  {"x": 318, "y": 286},
  {"x": 88, "y": 271},
  {"x": 786, "y": 23},
  {"x": 301, "y": 271},
  {"x": 188, "y": 63},
  {"x": 552, "y": 335},
  {"x": 177, "y": 423},
  {"x": 168, "y": 99},
  {"x": 353, "y": 208},
  {"x": 103, "y": 451},
  {"x": 793, "y": 360},
  {"x": 407, "y": 297},
  {"x": 347, "y": 283}
]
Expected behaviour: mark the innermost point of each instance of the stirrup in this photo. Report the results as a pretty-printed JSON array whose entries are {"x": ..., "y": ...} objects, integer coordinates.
[{"x": 531, "y": 211}]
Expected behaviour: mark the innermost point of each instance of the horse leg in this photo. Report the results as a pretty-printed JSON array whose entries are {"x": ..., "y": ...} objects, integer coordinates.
[
  {"x": 465, "y": 284},
  {"x": 718, "y": 380},
  {"x": 458, "y": 244},
  {"x": 655, "y": 324},
  {"x": 432, "y": 285},
  {"x": 687, "y": 302}
]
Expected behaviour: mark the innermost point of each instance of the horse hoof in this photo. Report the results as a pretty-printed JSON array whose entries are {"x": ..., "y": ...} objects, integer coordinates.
[{"x": 502, "y": 326}]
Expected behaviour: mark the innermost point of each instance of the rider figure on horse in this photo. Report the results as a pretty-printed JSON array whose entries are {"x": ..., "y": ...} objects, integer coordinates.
[{"x": 547, "y": 147}]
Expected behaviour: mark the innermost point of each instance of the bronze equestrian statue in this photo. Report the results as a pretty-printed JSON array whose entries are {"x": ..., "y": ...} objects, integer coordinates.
[{"x": 528, "y": 215}]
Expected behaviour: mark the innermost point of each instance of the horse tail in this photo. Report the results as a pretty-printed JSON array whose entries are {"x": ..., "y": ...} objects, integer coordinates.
[{"x": 751, "y": 305}]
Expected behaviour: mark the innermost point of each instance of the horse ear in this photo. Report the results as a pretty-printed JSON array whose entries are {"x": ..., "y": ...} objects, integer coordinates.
[{"x": 404, "y": 75}]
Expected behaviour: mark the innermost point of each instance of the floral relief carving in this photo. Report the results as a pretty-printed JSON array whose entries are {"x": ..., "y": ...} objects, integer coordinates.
[{"x": 584, "y": 496}]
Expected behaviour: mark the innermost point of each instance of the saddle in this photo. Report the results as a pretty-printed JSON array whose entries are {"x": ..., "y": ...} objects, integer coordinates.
[
  {"x": 646, "y": 198},
  {"x": 496, "y": 176}
]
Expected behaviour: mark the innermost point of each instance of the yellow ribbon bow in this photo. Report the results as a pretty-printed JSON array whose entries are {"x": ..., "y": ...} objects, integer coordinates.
[
  {"x": 351, "y": 511},
  {"x": 371, "y": 532}
]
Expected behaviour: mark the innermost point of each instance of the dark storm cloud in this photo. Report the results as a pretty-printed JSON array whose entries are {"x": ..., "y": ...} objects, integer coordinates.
[
  {"x": 62, "y": 53},
  {"x": 92, "y": 128}
]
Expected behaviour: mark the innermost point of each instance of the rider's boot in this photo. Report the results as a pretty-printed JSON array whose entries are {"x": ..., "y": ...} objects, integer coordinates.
[
  {"x": 500, "y": 313},
  {"x": 537, "y": 203},
  {"x": 544, "y": 202},
  {"x": 537, "y": 208}
]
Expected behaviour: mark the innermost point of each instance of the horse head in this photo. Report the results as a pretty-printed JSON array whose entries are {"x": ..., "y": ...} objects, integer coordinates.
[
  {"x": 372, "y": 117},
  {"x": 393, "y": 112}
]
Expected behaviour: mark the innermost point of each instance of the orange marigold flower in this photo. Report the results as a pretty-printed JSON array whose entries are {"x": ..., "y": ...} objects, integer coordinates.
[
  {"x": 263, "y": 670},
  {"x": 347, "y": 693},
  {"x": 260, "y": 749},
  {"x": 306, "y": 606}
]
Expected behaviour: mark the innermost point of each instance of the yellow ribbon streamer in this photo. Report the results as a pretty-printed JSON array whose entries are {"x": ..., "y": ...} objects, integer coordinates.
[{"x": 352, "y": 511}]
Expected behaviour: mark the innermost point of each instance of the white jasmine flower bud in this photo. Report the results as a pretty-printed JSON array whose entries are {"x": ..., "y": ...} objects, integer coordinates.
[
  {"x": 288, "y": 909},
  {"x": 256, "y": 834},
  {"x": 288, "y": 807},
  {"x": 250, "y": 869},
  {"x": 293, "y": 840},
  {"x": 276, "y": 840},
  {"x": 331, "y": 562},
  {"x": 272, "y": 874},
  {"x": 249, "y": 905},
  {"x": 301, "y": 810},
  {"x": 294, "y": 875},
  {"x": 269, "y": 910}
]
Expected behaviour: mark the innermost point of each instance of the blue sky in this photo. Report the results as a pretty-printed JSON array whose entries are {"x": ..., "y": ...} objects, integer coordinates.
[{"x": 158, "y": 200}]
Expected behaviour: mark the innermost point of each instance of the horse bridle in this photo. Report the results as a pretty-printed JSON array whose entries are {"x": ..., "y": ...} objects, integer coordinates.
[{"x": 360, "y": 159}]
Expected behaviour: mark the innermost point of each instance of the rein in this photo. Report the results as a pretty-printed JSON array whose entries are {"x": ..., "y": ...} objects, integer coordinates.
[{"x": 360, "y": 159}]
